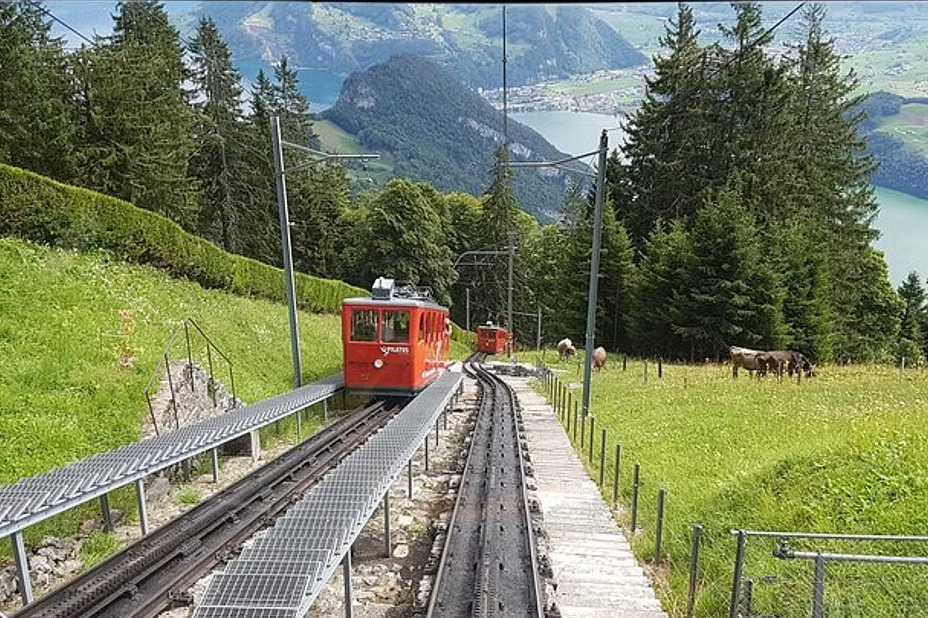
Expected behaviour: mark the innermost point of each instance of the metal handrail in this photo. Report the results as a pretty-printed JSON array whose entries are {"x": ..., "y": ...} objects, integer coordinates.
[{"x": 164, "y": 365}]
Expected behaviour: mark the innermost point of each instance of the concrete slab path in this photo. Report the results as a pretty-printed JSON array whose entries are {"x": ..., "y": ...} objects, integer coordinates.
[{"x": 596, "y": 573}]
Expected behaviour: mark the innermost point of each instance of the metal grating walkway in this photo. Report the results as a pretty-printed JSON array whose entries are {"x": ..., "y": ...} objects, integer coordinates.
[
  {"x": 33, "y": 499},
  {"x": 283, "y": 572}
]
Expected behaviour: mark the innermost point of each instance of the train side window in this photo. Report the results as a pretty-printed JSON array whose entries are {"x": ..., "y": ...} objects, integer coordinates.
[
  {"x": 364, "y": 325},
  {"x": 421, "y": 327},
  {"x": 396, "y": 326}
]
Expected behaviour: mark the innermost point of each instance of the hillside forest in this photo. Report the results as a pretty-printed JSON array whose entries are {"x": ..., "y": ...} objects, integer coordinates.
[{"x": 739, "y": 212}]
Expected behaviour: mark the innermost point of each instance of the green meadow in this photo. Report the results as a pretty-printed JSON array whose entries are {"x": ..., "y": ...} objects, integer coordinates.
[
  {"x": 843, "y": 452},
  {"x": 81, "y": 336}
]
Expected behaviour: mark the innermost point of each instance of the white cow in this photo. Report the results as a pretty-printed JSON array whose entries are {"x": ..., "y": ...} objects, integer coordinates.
[{"x": 565, "y": 349}]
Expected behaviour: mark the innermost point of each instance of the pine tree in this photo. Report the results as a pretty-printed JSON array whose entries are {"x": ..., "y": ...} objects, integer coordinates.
[
  {"x": 137, "y": 118},
  {"x": 37, "y": 131},
  {"x": 219, "y": 163},
  {"x": 915, "y": 316}
]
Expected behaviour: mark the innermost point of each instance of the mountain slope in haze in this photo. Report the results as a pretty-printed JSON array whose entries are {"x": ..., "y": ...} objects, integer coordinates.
[
  {"x": 436, "y": 130},
  {"x": 543, "y": 41}
]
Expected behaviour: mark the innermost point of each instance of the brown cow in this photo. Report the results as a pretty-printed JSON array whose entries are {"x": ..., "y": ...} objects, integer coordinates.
[{"x": 599, "y": 358}]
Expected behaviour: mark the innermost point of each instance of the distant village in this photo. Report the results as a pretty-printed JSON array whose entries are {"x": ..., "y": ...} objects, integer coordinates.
[{"x": 556, "y": 95}]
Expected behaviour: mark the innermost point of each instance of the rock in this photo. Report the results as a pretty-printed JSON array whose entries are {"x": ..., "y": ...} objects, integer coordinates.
[
  {"x": 401, "y": 551},
  {"x": 159, "y": 489}
]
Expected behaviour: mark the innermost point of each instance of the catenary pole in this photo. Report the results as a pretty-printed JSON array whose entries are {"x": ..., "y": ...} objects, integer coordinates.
[
  {"x": 288, "y": 254},
  {"x": 594, "y": 270}
]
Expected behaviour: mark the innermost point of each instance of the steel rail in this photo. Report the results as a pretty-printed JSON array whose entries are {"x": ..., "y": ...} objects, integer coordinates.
[
  {"x": 154, "y": 572},
  {"x": 496, "y": 573}
]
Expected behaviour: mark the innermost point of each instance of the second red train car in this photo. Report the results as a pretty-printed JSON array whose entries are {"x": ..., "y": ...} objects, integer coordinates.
[
  {"x": 492, "y": 339},
  {"x": 395, "y": 342}
]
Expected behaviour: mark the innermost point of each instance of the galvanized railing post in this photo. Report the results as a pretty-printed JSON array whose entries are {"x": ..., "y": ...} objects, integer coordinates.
[
  {"x": 736, "y": 579},
  {"x": 592, "y": 436},
  {"x": 659, "y": 531},
  {"x": 409, "y": 478},
  {"x": 386, "y": 522},
  {"x": 635, "y": 485},
  {"x": 22, "y": 567},
  {"x": 818, "y": 589},
  {"x": 615, "y": 479},
  {"x": 582, "y": 433},
  {"x": 167, "y": 367},
  {"x": 189, "y": 355},
  {"x": 151, "y": 412},
  {"x": 602, "y": 458},
  {"x": 694, "y": 566}
]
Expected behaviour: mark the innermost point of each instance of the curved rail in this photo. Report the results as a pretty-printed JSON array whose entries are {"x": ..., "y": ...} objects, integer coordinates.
[
  {"x": 489, "y": 565},
  {"x": 154, "y": 572}
]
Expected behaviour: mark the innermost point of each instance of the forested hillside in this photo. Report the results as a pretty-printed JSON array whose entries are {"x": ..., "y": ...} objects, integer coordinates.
[
  {"x": 439, "y": 132},
  {"x": 545, "y": 42},
  {"x": 901, "y": 166},
  {"x": 740, "y": 211}
]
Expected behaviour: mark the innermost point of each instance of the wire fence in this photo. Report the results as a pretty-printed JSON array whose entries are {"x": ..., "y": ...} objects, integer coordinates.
[{"x": 745, "y": 574}]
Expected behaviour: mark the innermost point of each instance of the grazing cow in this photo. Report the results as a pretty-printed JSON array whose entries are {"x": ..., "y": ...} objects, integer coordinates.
[
  {"x": 743, "y": 358},
  {"x": 565, "y": 349},
  {"x": 770, "y": 362},
  {"x": 599, "y": 358},
  {"x": 763, "y": 361}
]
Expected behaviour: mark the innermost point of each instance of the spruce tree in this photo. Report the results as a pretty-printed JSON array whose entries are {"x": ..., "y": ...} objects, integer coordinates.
[
  {"x": 667, "y": 143},
  {"x": 498, "y": 226},
  {"x": 914, "y": 318},
  {"x": 138, "y": 119},
  {"x": 37, "y": 130},
  {"x": 259, "y": 212},
  {"x": 661, "y": 287},
  {"x": 220, "y": 163},
  {"x": 733, "y": 296}
]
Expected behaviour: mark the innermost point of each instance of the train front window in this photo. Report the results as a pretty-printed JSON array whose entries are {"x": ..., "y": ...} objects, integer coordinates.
[
  {"x": 396, "y": 326},
  {"x": 364, "y": 325}
]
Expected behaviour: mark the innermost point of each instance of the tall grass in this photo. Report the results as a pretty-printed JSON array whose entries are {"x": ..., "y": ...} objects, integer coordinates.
[
  {"x": 843, "y": 452},
  {"x": 81, "y": 335}
]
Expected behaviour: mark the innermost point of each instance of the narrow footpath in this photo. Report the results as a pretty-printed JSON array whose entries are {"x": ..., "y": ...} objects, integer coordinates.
[{"x": 596, "y": 573}]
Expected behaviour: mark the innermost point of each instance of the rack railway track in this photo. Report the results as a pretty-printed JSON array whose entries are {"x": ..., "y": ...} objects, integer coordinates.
[
  {"x": 154, "y": 573},
  {"x": 489, "y": 565}
]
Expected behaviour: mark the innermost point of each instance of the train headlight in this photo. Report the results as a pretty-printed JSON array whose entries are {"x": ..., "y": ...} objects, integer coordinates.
[{"x": 378, "y": 363}]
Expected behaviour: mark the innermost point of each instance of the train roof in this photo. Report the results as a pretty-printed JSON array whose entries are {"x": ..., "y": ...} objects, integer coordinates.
[{"x": 389, "y": 292}]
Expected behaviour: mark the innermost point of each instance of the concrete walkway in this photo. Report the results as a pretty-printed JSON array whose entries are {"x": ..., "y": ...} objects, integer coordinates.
[{"x": 596, "y": 573}]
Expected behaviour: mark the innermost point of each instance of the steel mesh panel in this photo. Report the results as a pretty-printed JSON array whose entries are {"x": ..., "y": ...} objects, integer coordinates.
[
  {"x": 319, "y": 529},
  {"x": 33, "y": 499},
  {"x": 253, "y": 612}
]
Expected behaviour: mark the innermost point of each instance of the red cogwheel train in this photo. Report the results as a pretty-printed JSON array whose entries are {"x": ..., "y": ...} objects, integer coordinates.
[
  {"x": 492, "y": 339},
  {"x": 396, "y": 341}
]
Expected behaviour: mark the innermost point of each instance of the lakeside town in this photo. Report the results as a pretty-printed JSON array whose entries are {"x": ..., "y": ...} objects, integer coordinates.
[{"x": 582, "y": 93}]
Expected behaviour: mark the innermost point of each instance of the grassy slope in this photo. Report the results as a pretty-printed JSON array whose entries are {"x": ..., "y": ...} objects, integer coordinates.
[
  {"x": 910, "y": 125},
  {"x": 63, "y": 395},
  {"x": 845, "y": 452}
]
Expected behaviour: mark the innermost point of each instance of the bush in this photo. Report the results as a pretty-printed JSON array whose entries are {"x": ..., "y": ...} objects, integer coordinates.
[{"x": 41, "y": 210}]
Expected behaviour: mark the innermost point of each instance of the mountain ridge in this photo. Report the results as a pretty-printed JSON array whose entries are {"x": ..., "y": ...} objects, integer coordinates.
[
  {"x": 544, "y": 41},
  {"x": 438, "y": 131}
]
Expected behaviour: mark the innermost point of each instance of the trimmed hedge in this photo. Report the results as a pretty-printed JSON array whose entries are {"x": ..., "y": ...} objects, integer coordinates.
[{"x": 42, "y": 210}]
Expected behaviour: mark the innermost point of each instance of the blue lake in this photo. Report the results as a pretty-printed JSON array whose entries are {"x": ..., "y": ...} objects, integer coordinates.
[{"x": 902, "y": 220}]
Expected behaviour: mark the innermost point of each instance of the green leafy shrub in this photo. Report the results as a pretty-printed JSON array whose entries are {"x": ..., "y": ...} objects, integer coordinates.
[{"x": 41, "y": 210}]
